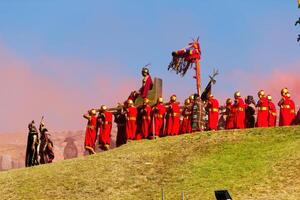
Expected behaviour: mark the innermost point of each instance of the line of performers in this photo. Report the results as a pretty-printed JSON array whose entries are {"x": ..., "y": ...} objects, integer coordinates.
[
  {"x": 168, "y": 119},
  {"x": 241, "y": 114}
]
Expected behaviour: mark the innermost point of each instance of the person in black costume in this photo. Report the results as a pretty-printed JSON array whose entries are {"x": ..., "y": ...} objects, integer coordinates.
[
  {"x": 31, "y": 157},
  {"x": 250, "y": 112}
]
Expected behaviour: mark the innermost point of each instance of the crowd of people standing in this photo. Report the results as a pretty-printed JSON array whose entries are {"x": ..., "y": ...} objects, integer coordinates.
[{"x": 168, "y": 119}]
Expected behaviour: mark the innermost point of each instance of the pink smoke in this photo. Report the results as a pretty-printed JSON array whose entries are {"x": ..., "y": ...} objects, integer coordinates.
[
  {"x": 27, "y": 95},
  {"x": 250, "y": 83}
]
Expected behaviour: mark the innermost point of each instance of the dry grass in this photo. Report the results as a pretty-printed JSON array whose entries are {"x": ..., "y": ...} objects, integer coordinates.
[{"x": 252, "y": 164}]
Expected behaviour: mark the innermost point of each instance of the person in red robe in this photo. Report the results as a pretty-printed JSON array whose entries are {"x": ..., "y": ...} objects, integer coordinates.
[
  {"x": 262, "y": 110},
  {"x": 105, "y": 125},
  {"x": 230, "y": 114},
  {"x": 293, "y": 108},
  {"x": 285, "y": 117},
  {"x": 120, "y": 120},
  {"x": 213, "y": 113},
  {"x": 91, "y": 131},
  {"x": 146, "y": 118},
  {"x": 186, "y": 125},
  {"x": 147, "y": 83},
  {"x": 272, "y": 112},
  {"x": 239, "y": 106},
  {"x": 139, "y": 119},
  {"x": 131, "y": 115},
  {"x": 158, "y": 112},
  {"x": 173, "y": 117}
]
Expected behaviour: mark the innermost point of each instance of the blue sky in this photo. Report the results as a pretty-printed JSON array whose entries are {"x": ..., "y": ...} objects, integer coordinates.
[{"x": 245, "y": 40}]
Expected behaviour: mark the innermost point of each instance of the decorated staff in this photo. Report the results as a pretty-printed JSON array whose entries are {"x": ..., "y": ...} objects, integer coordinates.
[
  {"x": 184, "y": 59},
  {"x": 208, "y": 88},
  {"x": 91, "y": 131},
  {"x": 298, "y": 22},
  {"x": 105, "y": 126}
]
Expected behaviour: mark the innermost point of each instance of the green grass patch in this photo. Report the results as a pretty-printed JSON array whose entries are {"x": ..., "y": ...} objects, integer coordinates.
[{"x": 251, "y": 164}]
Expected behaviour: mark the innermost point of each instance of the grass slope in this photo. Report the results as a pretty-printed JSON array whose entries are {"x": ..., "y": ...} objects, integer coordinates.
[{"x": 251, "y": 164}]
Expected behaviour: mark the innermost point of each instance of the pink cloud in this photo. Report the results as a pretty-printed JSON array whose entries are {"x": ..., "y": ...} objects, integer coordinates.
[
  {"x": 27, "y": 95},
  {"x": 249, "y": 83}
]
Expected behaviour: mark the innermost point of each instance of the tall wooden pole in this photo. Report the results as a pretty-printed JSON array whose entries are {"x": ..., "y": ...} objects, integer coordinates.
[
  {"x": 198, "y": 83},
  {"x": 198, "y": 78}
]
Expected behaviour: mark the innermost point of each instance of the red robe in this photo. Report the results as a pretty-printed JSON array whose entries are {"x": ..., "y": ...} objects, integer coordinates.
[
  {"x": 239, "y": 106},
  {"x": 293, "y": 110},
  {"x": 131, "y": 123},
  {"x": 272, "y": 114},
  {"x": 286, "y": 117},
  {"x": 105, "y": 127},
  {"x": 146, "y": 121},
  {"x": 186, "y": 126},
  {"x": 262, "y": 112},
  {"x": 230, "y": 111},
  {"x": 173, "y": 119},
  {"x": 158, "y": 117},
  {"x": 213, "y": 114},
  {"x": 91, "y": 133},
  {"x": 147, "y": 85}
]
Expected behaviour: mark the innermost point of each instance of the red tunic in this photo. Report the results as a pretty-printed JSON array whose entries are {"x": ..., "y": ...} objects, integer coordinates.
[
  {"x": 262, "y": 112},
  {"x": 239, "y": 106},
  {"x": 230, "y": 111},
  {"x": 286, "y": 117},
  {"x": 146, "y": 121},
  {"x": 293, "y": 110},
  {"x": 186, "y": 126},
  {"x": 213, "y": 114},
  {"x": 131, "y": 123},
  {"x": 105, "y": 127},
  {"x": 158, "y": 117},
  {"x": 272, "y": 114},
  {"x": 173, "y": 119},
  {"x": 91, "y": 133},
  {"x": 147, "y": 85}
]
